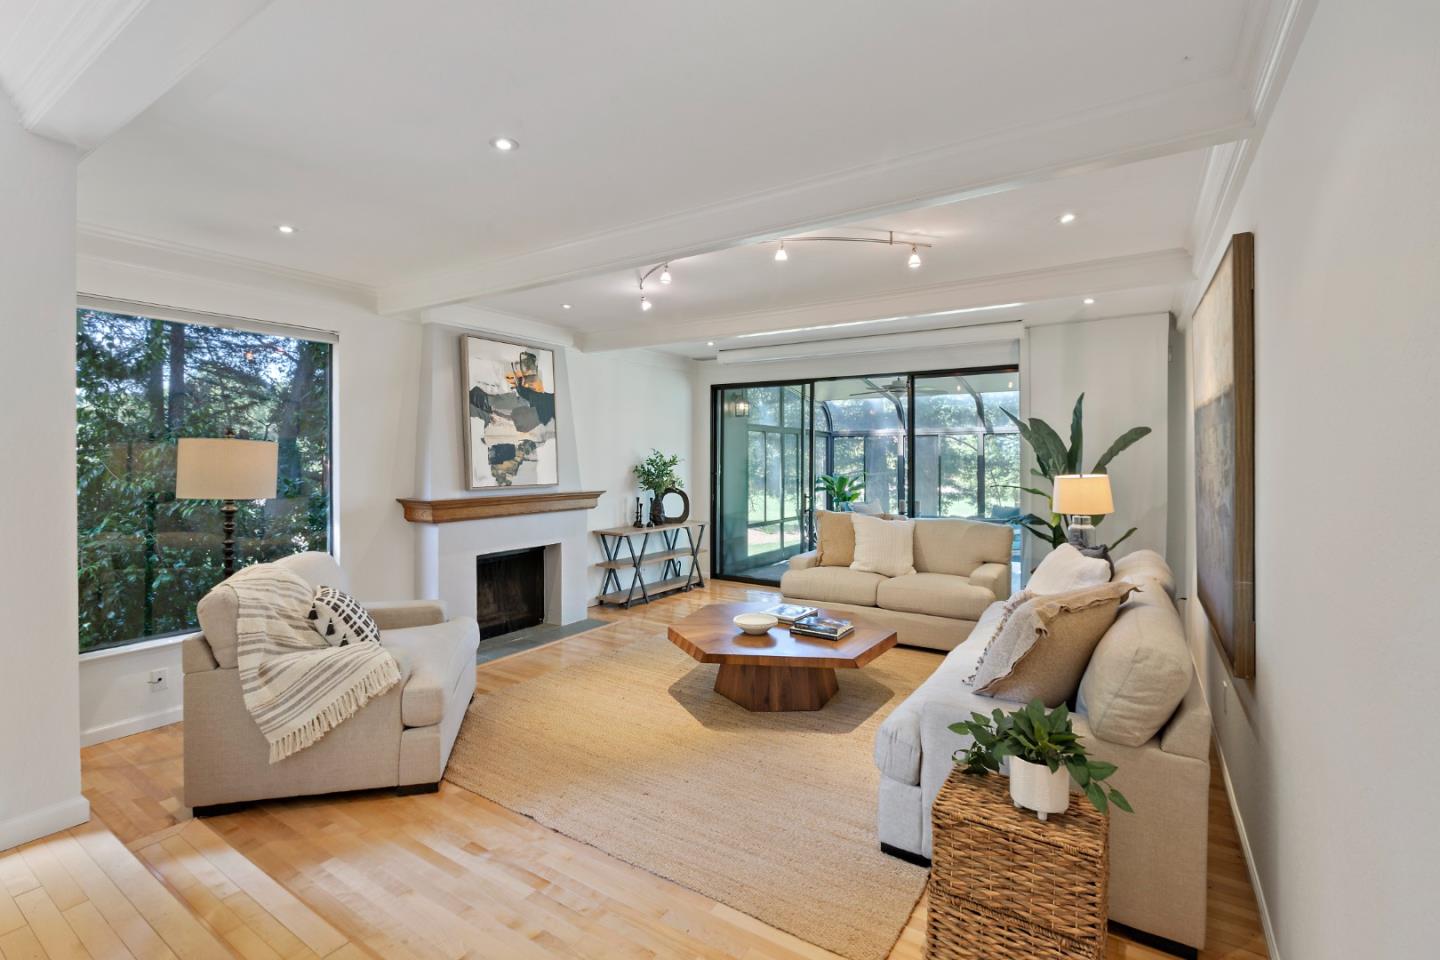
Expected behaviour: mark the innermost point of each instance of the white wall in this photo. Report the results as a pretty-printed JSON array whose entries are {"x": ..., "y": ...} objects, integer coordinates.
[
  {"x": 1122, "y": 366},
  {"x": 1327, "y": 747},
  {"x": 39, "y": 717},
  {"x": 376, "y": 394}
]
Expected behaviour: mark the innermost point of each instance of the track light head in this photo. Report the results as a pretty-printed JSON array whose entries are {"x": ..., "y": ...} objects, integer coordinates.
[
  {"x": 780, "y": 255},
  {"x": 914, "y": 262},
  {"x": 644, "y": 303},
  {"x": 665, "y": 274}
]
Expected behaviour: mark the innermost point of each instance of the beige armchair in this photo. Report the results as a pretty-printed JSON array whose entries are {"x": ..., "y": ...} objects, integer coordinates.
[{"x": 401, "y": 739}]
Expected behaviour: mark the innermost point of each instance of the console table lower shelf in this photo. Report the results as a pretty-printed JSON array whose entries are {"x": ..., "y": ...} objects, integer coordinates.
[{"x": 631, "y": 549}]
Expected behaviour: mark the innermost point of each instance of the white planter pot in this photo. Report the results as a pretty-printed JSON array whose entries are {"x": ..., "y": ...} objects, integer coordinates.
[{"x": 1034, "y": 787}]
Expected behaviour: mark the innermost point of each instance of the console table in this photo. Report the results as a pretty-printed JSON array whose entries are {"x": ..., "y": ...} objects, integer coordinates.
[{"x": 633, "y": 548}]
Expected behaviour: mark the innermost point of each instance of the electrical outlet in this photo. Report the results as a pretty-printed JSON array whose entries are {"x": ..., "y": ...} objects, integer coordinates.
[{"x": 159, "y": 680}]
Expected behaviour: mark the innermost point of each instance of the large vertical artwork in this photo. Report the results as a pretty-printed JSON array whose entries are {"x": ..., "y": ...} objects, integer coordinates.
[
  {"x": 510, "y": 434},
  {"x": 1223, "y": 328}
]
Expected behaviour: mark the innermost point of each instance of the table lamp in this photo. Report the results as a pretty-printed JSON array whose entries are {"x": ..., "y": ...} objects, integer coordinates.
[
  {"x": 227, "y": 469},
  {"x": 1080, "y": 497}
]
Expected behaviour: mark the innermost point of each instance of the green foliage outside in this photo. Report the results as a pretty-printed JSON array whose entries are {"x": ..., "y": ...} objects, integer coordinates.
[
  {"x": 145, "y": 557},
  {"x": 1036, "y": 736}
]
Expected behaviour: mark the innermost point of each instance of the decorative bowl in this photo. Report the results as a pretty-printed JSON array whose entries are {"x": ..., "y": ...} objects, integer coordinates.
[{"x": 755, "y": 623}]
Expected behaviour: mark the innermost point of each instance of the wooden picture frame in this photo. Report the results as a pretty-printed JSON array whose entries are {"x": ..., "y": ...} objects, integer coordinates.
[
  {"x": 508, "y": 414},
  {"x": 1223, "y": 332}
]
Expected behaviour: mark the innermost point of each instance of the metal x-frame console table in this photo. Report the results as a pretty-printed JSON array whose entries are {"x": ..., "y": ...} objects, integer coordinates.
[{"x": 621, "y": 554}]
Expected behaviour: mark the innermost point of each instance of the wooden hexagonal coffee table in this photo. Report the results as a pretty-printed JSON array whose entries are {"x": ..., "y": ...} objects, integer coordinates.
[{"x": 778, "y": 670}]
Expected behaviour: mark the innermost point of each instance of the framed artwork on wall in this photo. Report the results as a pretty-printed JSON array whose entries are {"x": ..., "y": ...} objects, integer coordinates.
[
  {"x": 1223, "y": 328},
  {"x": 511, "y": 439}
]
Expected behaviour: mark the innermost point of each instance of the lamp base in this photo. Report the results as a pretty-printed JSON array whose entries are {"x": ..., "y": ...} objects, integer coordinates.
[{"x": 1080, "y": 532}]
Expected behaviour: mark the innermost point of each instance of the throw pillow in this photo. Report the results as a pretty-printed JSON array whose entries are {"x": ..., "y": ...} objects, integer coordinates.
[
  {"x": 1009, "y": 607},
  {"x": 1047, "y": 645},
  {"x": 835, "y": 535},
  {"x": 1103, "y": 552},
  {"x": 886, "y": 547},
  {"x": 340, "y": 619},
  {"x": 867, "y": 508},
  {"x": 1067, "y": 569}
]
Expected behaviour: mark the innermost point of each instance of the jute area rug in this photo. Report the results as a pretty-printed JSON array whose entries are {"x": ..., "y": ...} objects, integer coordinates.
[{"x": 770, "y": 813}]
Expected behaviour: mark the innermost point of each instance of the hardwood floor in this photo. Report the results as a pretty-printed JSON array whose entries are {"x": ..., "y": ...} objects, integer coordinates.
[{"x": 447, "y": 875}]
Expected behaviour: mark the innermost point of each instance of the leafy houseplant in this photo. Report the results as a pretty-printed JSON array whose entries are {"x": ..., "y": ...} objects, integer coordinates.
[
  {"x": 1053, "y": 458},
  {"x": 657, "y": 474},
  {"x": 842, "y": 491},
  {"x": 1033, "y": 737}
]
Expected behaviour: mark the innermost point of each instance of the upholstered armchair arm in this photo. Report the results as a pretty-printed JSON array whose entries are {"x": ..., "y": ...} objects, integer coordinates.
[
  {"x": 400, "y": 614},
  {"x": 804, "y": 561},
  {"x": 994, "y": 577}
]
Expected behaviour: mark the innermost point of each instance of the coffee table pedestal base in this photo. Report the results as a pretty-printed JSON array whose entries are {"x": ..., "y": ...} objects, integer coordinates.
[{"x": 770, "y": 689}]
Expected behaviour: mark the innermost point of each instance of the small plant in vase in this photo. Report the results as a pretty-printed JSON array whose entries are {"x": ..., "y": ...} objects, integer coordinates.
[
  {"x": 1045, "y": 754},
  {"x": 657, "y": 473},
  {"x": 842, "y": 491}
]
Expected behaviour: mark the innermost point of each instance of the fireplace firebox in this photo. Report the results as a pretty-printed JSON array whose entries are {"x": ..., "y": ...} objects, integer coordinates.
[{"x": 509, "y": 591}]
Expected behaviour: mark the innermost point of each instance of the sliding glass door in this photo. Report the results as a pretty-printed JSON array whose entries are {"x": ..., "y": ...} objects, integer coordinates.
[
  {"x": 762, "y": 478},
  {"x": 934, "y": 444}
]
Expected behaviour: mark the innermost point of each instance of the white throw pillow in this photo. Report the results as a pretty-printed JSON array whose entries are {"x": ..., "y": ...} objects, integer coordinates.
[
  {"x": 1067, "y": 569},
  {"x": 886, "y": 547}
]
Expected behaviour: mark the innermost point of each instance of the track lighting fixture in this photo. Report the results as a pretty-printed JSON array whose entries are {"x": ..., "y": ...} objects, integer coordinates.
[
  {"x": 780, "y": 255},
  {"x": 914, "y": 262},
  {"x": 889, "y": 240},
  {"x": 665, "y": 274},
  {"x": 645, "y": 304}
]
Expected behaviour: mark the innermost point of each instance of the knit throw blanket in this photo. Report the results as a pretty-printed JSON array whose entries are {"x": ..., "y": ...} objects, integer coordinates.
[{"x": 297, "y": 686}]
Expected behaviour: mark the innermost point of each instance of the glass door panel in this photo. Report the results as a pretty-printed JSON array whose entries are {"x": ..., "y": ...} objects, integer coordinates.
[
  {"x": 864, "y": 420},
  {"x": 762, "y": 479}
]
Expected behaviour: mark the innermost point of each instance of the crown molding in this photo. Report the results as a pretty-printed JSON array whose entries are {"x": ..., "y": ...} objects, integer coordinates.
[
  {"x": 1189, "y": 118},
  {"x": 117, "y": 246},
  {"x": 52, "y": 47},
  {"x": 1155, "y": 268}
]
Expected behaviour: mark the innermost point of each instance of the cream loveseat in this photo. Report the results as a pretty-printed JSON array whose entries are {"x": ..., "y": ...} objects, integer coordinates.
[
  {"x": 961, "y": 568},
  {"x": 400, "y": 739},
  {"x": 1139, "y": 707}
]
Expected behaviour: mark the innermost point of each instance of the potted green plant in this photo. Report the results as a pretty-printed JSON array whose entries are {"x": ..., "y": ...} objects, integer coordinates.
[
  {"x": 1054, "y": 458},
  {"x": 657, "y": 473},
  {"x": 1044, "y": 753},
  {"x": 841, "y": 490}
]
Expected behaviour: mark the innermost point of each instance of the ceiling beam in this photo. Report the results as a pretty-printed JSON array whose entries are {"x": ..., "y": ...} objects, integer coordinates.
[
  {"x": 79, "y": 70},
  {"x": 1157, "y": 268},
  {"x": 1193, "y": 117}
]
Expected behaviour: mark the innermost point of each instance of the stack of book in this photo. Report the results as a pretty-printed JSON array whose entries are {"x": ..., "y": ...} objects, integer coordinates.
[
  {"x": 788, "y": 613},
  {"x": 826, "y": 628}
]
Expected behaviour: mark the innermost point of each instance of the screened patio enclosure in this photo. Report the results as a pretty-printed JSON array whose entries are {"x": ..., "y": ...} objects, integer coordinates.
[{"x": 920, "y": 445}]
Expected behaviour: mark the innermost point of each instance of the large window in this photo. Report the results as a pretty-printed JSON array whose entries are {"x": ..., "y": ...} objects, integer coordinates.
[{"x": 142, "y": 383}]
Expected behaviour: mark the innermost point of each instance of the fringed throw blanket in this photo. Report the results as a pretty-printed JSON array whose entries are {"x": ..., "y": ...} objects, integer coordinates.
[{"x": 297, "y": 686}]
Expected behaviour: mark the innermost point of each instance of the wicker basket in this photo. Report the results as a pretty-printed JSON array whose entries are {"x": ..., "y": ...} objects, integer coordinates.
[{"x": 1004, "y": 884}]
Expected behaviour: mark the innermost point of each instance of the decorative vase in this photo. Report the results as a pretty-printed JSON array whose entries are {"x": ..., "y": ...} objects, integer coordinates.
[
  {"x": 684, "y": 505},
  {"x": 1034, "y": 787},
  {"x": 657, "y": 508}
]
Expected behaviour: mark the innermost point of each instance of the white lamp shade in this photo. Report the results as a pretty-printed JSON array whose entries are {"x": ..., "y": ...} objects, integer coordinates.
[
  {"x": 226, "y": 469},
  {"x": 1085, "y": 494}
]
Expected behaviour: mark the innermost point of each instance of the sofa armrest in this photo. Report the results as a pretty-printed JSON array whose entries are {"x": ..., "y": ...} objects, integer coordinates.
[
  {"x": 804, "y": 561},
  {"x": 994, "y": 577},
  {"x": 400, "y": 614}
]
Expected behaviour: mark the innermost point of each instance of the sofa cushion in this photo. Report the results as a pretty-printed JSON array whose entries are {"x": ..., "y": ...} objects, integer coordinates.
[
  {"x": 938, "y": 594},
  {"x": 897, "y": 741},
  {"x": 217, "y": 611},
  {"x": 433, "y": 658},
  {"x": 885, "y": 547},
  {"x": 1051, "y": 646},
  {"x": 1065, "y": 569},
  {"x": 831, "y": 585},
  {"x": 1139, "y": 672},
  {"x": 955, "y": 546},
  {"x": 1144, "y": 566},
  {"x": 835, "y": 535}
]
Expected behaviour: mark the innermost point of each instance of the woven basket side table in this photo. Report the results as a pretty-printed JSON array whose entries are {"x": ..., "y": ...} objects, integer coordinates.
[{"x": 1004, "y": 884}]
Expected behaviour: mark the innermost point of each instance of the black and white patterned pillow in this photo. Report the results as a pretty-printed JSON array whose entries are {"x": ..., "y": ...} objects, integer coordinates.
[{"x": 340, "y": 619}]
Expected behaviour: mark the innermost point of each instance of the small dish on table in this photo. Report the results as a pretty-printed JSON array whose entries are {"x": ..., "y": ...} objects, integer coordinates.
[{"x": 755, "y": 623}]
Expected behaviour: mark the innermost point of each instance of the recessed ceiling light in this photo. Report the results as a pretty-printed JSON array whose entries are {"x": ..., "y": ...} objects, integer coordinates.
[
  {"x": 1088, "y": 301},
  {"x": 564, "y": 306},
  {"x": 1067, "y": 217},
  {"x": 286, "y": 229},
  {"x": 504, "y": 144},
  {"x": 709, "y": 343}
]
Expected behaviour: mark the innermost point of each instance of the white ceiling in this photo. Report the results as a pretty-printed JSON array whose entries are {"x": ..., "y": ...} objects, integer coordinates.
[{"x": 651, "y": 130}]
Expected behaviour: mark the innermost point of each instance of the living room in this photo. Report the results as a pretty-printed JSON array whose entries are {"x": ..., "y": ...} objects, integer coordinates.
[{"x": 821, "y": 481}]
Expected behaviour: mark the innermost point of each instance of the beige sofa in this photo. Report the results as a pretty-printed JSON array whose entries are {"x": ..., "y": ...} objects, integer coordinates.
[
  {"x": 962, "y": 567},
  {"x": 401, "y": 739},
  {"x": 1127, "y": 713}
]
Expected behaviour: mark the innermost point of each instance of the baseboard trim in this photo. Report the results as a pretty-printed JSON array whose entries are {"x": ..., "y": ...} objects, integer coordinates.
[
  {"x": 43, "y": 822},
  {"x": 131, "y": 725},
  {"x": 1249, "y": 855}
]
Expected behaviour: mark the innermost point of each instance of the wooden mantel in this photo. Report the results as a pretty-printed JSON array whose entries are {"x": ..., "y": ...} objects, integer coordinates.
[{"x": 501, "y": 505}]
